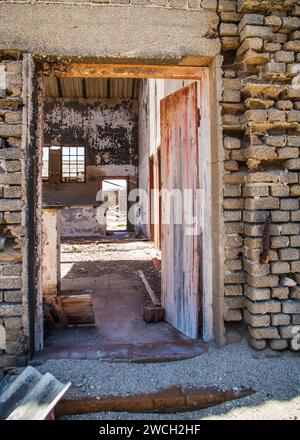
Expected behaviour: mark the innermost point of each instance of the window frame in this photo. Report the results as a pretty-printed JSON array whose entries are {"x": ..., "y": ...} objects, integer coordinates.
[{"x": 61, "y": 163}]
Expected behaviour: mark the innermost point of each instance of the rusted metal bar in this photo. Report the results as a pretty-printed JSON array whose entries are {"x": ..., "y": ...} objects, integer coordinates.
[{"x": 168, "y": 400}]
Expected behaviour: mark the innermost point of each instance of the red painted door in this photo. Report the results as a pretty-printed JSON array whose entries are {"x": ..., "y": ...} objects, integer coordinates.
[{"x": 180, "y": 177}]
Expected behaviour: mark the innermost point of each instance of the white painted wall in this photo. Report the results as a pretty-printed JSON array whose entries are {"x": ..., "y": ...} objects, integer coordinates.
[
  {"x": 2, "y": 338},
  {"x": 51, "y": 251},
  {"x": 144, "y": 143},
  {"x": 151, "y": 93},
  {"x": 159, "y": 89}
]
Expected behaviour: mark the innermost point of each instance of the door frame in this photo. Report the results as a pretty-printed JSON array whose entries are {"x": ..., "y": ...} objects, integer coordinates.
[
  {"x": 127, "y": 191},
  {"x": 211, "y": 157}
]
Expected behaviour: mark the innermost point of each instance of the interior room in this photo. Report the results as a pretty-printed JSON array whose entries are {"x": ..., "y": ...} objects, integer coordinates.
[{"x": 103, "y": 154}]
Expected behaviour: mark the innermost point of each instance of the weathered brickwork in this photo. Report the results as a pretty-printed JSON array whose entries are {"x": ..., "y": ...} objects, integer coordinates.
[
  {"x": 13, "y": 343},
  {"x": 261, "y": 115},
  {"x": 260, "y": 43}
]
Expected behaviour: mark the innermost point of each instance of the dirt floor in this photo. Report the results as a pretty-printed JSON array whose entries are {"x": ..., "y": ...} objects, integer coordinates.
[{"x": 109, "y": 271}]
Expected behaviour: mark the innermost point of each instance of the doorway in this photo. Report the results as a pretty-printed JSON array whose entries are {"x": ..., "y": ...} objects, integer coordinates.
[
  {"x": 160, "y": 226},
  {"x": 115, "y": 193}
]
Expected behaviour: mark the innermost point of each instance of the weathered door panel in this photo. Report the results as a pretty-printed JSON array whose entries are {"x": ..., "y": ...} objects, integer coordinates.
[{"x": 179, "y": 172}]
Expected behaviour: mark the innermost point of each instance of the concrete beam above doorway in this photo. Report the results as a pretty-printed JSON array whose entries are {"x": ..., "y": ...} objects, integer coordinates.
[{"x": 110, "y": 32}]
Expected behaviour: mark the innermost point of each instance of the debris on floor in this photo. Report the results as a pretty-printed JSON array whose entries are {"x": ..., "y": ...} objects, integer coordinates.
[
  {"x": 118, "y": 294},
  {"x": 71, "y": 309},
  {"x": 232, "y": 367},
  {"x": 153, "y": 312}
]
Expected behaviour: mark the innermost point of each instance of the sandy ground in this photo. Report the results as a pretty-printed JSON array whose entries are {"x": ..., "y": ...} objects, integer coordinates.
[
  {"x": 275, "y": 377},
  {"x": 108, "y": 270},
  {"x": 92, "y": 258}
]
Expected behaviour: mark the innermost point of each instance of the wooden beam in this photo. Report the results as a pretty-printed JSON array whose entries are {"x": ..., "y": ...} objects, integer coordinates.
[
  {"x": 125, "y": 71},
  {"x": 149, "y": 290}
]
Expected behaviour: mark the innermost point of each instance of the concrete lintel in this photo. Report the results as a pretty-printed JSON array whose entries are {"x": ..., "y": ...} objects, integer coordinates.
[{"x": 63, "y": 30}]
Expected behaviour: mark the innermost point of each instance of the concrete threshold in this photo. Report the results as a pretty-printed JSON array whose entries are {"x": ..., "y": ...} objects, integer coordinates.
[
  {"x": 131, "y": 353},
  {"x": 173, "y": 399}
]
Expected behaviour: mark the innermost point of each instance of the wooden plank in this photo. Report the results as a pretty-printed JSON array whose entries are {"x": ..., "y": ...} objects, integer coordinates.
[
  {"x": 78, "y": 309},
  {"x": 158, "y": 238},
  {"x": 69, "y": 309},
  {"x": 50, "y": 251},
  {"x": 151, "y": 188},
  {"x": 155, "y": 205},
  {"x": 148, "y": 287},
  {"x": 53, "y": 311},
  {"x": 85, "y": 70},
  {"x": 180, "y": 255}
]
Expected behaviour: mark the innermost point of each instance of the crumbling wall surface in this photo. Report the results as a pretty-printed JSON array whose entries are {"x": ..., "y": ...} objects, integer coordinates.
[
  {"x": 13, "y": 316},
  {"x": 261, "y": 123},
  {"x": 107, "y": 128}
]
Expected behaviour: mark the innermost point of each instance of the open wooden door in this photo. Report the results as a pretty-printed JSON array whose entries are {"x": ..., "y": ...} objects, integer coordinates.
[{"x": 179, "y": 163}]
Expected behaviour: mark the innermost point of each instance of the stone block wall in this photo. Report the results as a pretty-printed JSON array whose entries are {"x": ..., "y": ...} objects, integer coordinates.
[
  {"x": 13, "y": 339},
  {"x": 260, "y": 43},
  {"x": 261, "y": 116}
]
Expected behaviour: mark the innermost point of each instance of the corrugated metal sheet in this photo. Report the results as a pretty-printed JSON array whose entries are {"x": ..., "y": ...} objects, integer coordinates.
[
  {"x": 102, "y": 88},
  {"x": 71, "y": 89},
  {"x": 31, "y": 396},
  {"x": 51, "y": 86}
]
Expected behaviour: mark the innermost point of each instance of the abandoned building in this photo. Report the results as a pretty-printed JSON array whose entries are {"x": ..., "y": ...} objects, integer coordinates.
[{"x": 105, "y": 101}]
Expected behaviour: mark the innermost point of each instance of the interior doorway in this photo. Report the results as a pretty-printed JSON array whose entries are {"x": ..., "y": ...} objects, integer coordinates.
[
  {"x": 145, "y": 166},
  {"x": 115, "y": 193}
]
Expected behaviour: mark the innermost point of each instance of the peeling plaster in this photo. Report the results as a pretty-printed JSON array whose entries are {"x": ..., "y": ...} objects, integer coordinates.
[{"x": 108, "y": 128}]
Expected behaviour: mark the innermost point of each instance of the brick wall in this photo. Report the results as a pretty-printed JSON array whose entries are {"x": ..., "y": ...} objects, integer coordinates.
[
  {"x": 13, "y": 342},
  {"x": 261, "y": 115}
]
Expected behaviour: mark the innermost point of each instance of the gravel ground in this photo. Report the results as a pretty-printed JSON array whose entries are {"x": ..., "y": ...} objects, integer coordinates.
[{"x": 275, "y": 376}]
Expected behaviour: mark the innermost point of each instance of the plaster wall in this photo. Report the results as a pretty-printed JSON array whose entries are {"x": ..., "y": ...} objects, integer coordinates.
[{"x": 108, "y": 129}]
